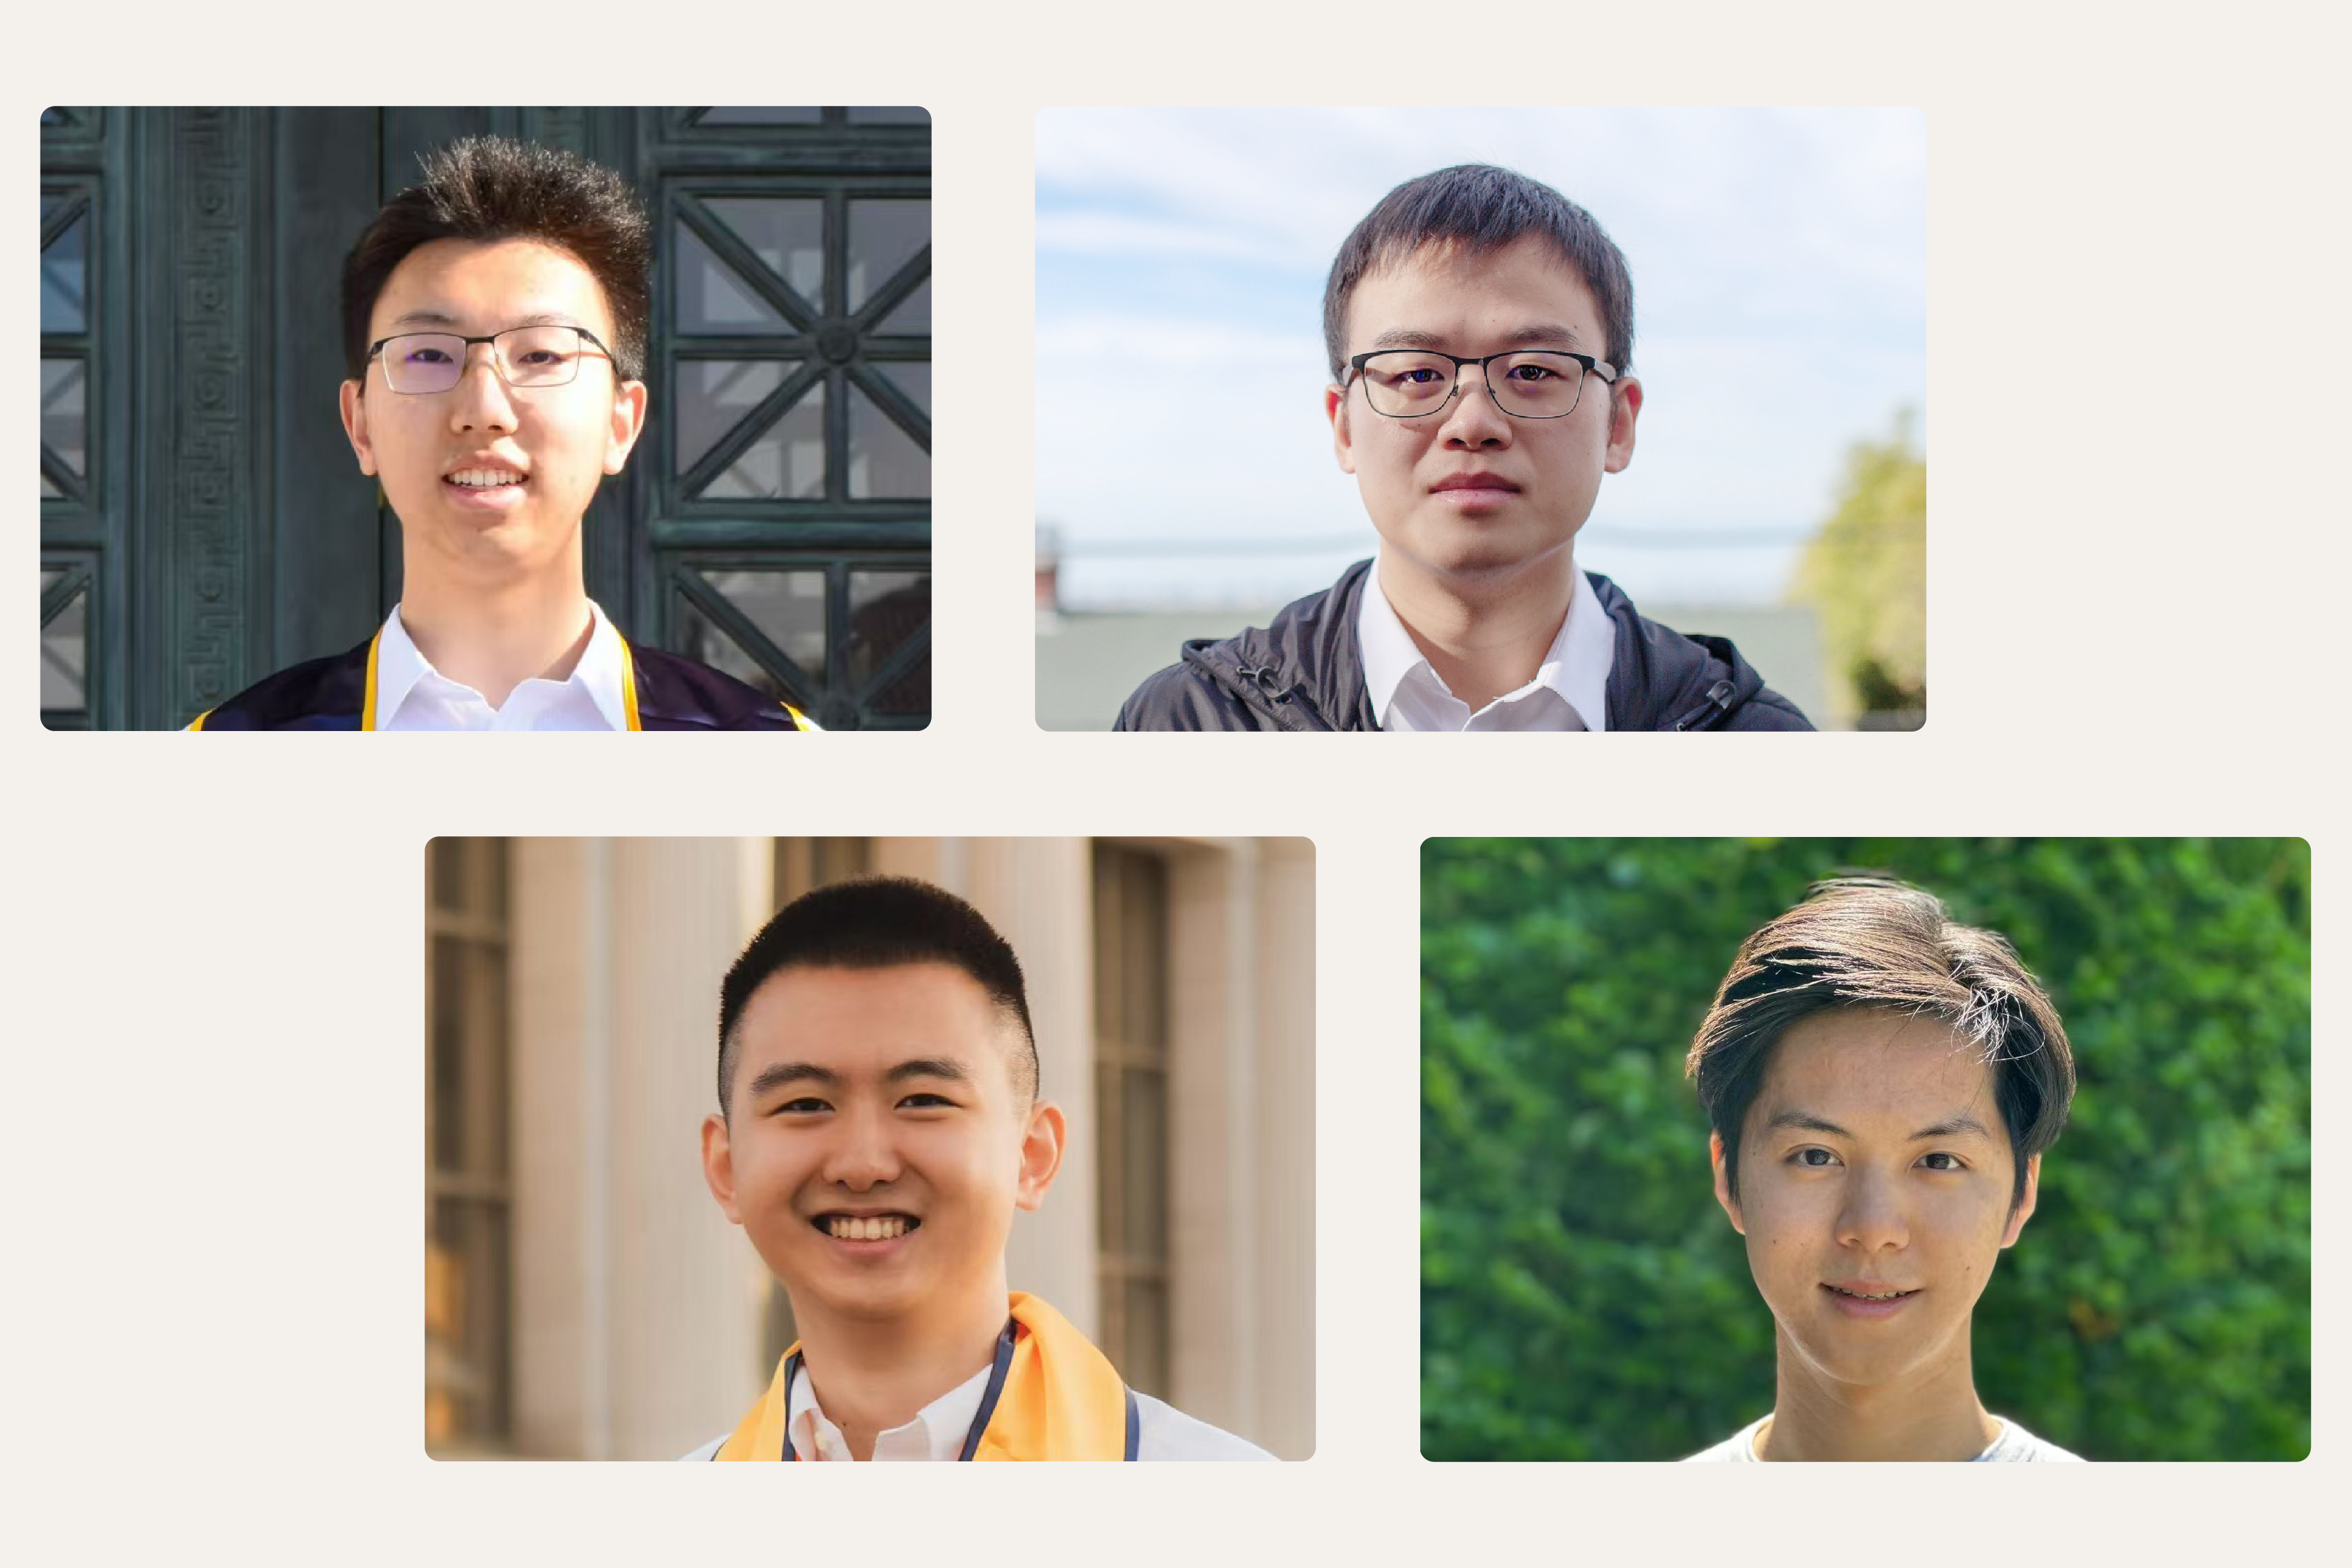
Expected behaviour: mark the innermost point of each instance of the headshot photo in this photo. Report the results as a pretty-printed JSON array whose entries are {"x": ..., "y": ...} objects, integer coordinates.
[
  {"x": 1991, "y": 1150},
  {"x": 1496, "y": 376},
  {"x": 591, "y": 418},
  {"x": 874, "y": 1149}
]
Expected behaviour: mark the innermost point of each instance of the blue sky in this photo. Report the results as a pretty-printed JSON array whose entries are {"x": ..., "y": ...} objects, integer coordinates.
[{"x": 1779, "y": 265}]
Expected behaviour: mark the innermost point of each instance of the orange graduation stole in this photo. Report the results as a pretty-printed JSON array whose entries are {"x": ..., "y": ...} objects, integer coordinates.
[{"x": 1051, "y": 1395}]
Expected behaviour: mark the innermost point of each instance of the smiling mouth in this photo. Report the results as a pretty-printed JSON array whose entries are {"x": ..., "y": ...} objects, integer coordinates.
[
  {"x": 1861, "y": 1296},
  {"x": 484, "y": 478},
  {"x": 866, "y": 1227}
]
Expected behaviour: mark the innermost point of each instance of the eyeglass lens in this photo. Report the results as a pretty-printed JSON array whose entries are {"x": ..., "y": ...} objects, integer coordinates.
[
  {"x": 1535, "y": 384},
  {"x": 526, "y": 356}
]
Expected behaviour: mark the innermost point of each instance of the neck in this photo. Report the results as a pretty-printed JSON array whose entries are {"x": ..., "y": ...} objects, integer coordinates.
[
  {"x": 1933, "y": 1415},
  {"x": 1484, "y": 637},
  {"x": 874, "y": 1373},
  {"x": 494, "y": 636}
]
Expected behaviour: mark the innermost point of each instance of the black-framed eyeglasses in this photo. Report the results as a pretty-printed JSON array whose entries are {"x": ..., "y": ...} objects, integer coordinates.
[
  {"x": 419, "y": 362},
  {"x": 1525, "y": 384}
]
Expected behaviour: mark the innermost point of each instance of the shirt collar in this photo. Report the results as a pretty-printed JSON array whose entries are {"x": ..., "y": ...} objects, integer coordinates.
[
  {"x": 401, "y": 666},
  {"x": 937, "y": 1432},
  {"x": 1576, "y": 665}
]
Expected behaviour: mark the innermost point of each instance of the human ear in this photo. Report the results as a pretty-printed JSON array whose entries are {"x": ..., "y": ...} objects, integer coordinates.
[
  {"x": 628, "y": 423},
  {"x": 1723, "y": 1181},
  {"x": 354, "y": 407},
  {"x": 1624, "y": 407},
  {"x": 2025, "y": 1201},
  {"x": 1041, "y": 1153},
  {"x": 719, "y": 1165},
  {"x": 1335, "y": 408}
]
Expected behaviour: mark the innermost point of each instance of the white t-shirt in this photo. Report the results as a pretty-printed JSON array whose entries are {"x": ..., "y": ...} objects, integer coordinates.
[
  {"x": 940, "y": 1429},
  {"x": 2015, "y": 1445}
]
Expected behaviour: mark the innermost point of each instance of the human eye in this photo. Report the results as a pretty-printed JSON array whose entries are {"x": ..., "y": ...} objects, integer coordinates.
[
  {"x": 1952, "y": 1163},
  {"x": 1407, "y": 371},
  {"x": 806, "y": 1105},
  {"x": 926, "y": 1101},
  {"x": 425, "y": 353},
  {"x": 1813, "y": 1158}
]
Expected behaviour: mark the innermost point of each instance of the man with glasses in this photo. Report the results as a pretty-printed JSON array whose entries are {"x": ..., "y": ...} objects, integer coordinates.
[
  {"x": 1480, "y": 329},
  {"x": 495, "y": 320}
]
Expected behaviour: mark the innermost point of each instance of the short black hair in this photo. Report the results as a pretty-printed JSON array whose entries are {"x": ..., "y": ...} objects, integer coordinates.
[
  {"x": 1874, "y": 941},
  {"x": 1482, "y": 208},
  {"x": 878, "y": 922},
  {"x": 491, "y": 188}
]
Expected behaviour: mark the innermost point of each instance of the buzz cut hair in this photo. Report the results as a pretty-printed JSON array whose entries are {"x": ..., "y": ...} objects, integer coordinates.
[
  {"x": 878, "y": 922},
  {"x": 1872, "y": 942},
  {"x": 1480, "y": 208}
]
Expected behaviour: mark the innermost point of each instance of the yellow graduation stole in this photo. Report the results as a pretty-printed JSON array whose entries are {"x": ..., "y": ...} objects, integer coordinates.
[{"x": 1051, "y": 1395}]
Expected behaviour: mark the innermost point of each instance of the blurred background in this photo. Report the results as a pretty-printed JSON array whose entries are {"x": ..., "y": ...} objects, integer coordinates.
[
  {"x": 1584, "y": 1298},
  {"x": 204, "y": 521},
  {"x": 1778, "y": 496},
  {"x": 585, "y": 1299}
]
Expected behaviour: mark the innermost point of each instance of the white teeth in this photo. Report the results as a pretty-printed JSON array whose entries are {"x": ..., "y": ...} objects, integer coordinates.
[
  {"x": 484, "y": 477},
  {"x": 852, "y": 1227},
  {"x": 1859, "y": 1296}
]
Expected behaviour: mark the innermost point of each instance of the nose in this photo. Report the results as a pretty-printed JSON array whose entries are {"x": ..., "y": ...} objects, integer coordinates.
[
  {"x": 862, "y": 1156},
  {"x": 1871, "y": 1219},
  {"x": 1476, "y": 421},
  {"x": 480, "y": 400}
]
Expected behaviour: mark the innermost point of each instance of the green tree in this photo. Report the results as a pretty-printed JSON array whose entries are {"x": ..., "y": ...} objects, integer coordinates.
[
  {"x": 1583, "y": 1297},
  {"x": 1865, "y": 577}
]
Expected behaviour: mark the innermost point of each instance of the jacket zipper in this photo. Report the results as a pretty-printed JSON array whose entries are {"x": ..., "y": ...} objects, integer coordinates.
[
  {"x": 1716, "y": 707},
  {"x": 1261, "y": 679}
]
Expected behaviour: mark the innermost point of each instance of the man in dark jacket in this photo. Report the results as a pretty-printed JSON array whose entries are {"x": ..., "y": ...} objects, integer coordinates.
[
  {"x": 1480, "y": 331},
  {"x": 1304, "y": 673}
]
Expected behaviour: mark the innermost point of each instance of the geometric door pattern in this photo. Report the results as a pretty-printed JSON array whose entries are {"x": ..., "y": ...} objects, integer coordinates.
[
  {"x": 74, "y": 490},
  {"x": 791, "y": 523}
]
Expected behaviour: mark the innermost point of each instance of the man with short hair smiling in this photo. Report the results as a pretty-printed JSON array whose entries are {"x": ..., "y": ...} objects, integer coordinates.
[
  {"x": 495, "y": 319},
  {"x": 1480, "y": 332},
  {"x": 878, "y": 1124},
  {"x": 1882, "y": 1082}
]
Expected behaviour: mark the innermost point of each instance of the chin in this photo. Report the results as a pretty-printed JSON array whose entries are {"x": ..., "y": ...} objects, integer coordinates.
[
  {"x": 501, "y": 544},
  {"x": 848, "y": 1296},
  {"x": 1468, "y": 550}
]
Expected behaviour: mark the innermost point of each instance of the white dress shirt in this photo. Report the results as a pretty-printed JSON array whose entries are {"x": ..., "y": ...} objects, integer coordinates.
[
  {"x": 410, "y": 694},
  {"x": 1569, "y": 692},
  {"x": 937, "y": 1432},
  {"x": 940, "y": 1429}
]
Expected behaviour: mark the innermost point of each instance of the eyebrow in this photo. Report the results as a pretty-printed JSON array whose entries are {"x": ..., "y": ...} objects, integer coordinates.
[
  {"x": 777, "y": 1074},
  {"x": 1537, "y": 335},
  {"x": 1951, "y": 1126},
  {"x": 929, "y": 1067},
  {"x": 443, "y": 319}
]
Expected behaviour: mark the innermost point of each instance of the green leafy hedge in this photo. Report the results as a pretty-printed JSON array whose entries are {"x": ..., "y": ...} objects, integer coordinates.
[{"x": 1582, "y": 1298}]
